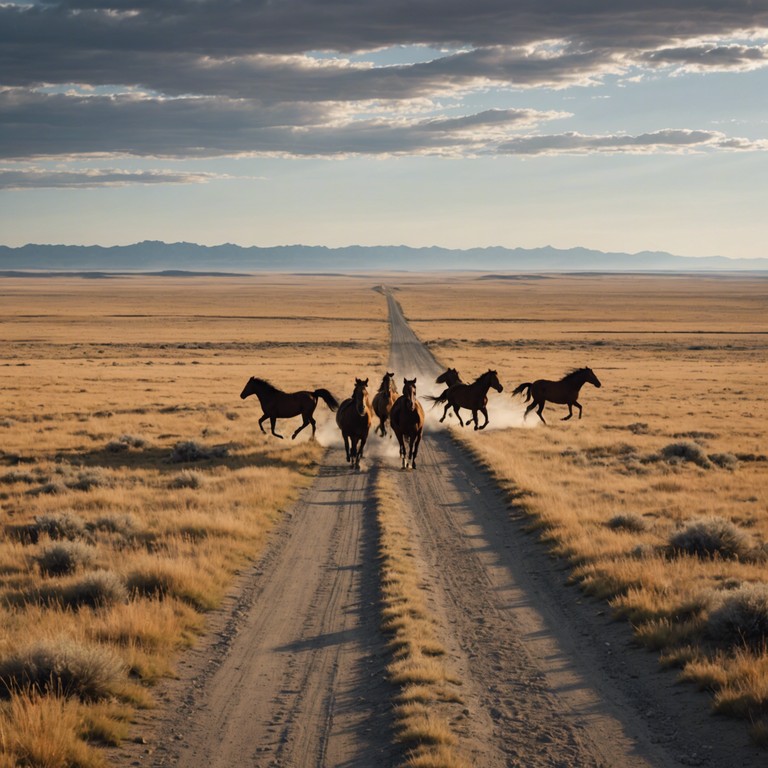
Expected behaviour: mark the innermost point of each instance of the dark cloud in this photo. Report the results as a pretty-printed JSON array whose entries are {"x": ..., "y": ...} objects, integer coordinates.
[
  {"x": 204, "y": 78},
  {"x": 195, "y": 127}
]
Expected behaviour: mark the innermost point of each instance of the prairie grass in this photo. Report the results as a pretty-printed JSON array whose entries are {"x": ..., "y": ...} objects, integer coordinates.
[
  {"x": 658, "y": 496},
  {"x": 135, "y": 484},
  {"x": 427, "y": 690}
]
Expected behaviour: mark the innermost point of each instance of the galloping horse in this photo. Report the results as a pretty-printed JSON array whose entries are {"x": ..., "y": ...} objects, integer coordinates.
[
  {"x": 451, "y": 377},
  {"x": 472, "y": 396},
  {"x": 277, "y": 404},
  {"x": 564, "y": 391},
  {"x": 383, "y": 401},
  {"x": 407, "y": 420},
  {"x": 354, "y": 419}
]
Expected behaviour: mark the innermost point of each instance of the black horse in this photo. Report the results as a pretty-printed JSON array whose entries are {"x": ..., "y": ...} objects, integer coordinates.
[{"x": 277, "y": 404}]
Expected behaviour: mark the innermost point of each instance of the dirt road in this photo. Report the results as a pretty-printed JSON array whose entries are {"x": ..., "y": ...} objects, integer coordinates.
[{"x": 292, "y": 672}]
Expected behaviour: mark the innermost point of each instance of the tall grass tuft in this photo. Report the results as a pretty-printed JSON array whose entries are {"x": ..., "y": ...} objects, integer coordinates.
[
  {"x": 42, "y": 732},
  {"x": 64, "y": 667}
]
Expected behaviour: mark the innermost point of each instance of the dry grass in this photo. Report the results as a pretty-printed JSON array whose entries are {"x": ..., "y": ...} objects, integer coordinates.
[
  {"x": 427, "y": 689},
  {"x": 657, "y": 496},
  {"x": 134, "y": 482}
]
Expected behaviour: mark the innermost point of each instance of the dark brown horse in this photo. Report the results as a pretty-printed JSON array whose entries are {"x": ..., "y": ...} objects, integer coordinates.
[
  {"x": 407, "y": 420},
  {"x": 354, "y": 419},
  {"x": 473, "y": 397},
  {"x": 277, "y": 404},
  {"x": 383, "y": 401},
  {"x": 451, "y": 377},
  {"x": 565, "y": 391}
]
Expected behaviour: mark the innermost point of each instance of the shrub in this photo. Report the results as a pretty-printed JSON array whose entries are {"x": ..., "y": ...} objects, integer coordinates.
[
  {"x": 124, "y": 442},
  {"x": 741, "y": 617},
  {"x": 186, "y": 479},
  {"x": 64, "y": 557},
  {"x": 92, "y": 478},
  {"x": 113, "y": 524},
  {"x": 628, "y": 522},
  {"x": 724, "y": 460},
  {"x": 98, "y": 589},
  {"x": 64, "y": 525},
  {"x": 710, "y": 537},
  {"x": 686, "y": 451},
  {"x": 65, "y": 667},
  {"x": 189, "y": 450}
]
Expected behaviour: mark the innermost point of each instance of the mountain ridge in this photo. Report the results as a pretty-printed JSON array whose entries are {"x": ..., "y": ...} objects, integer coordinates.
[{"x": 159, "y": 255}]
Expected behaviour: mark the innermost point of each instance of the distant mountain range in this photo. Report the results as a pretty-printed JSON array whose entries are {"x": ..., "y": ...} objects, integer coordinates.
[{"x": 155, "y": 256}]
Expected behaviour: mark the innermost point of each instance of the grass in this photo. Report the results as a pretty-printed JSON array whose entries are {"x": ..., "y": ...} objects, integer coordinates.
[
  {"x": 657, "y": 497},
  {"x": 135, "y": 484},
  {"x": 428, "y": 693}
]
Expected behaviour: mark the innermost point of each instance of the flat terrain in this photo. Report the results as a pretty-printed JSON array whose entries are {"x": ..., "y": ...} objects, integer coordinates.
[{"x": 291, "y": 670}]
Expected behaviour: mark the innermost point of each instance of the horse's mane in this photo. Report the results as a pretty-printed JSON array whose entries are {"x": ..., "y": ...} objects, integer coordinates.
[
  {"x": 384, "y": 386},
  {"x": 574, "y": 374},
  {"x": 482, "y": 376},
  {"x": 271, "y": 388}
]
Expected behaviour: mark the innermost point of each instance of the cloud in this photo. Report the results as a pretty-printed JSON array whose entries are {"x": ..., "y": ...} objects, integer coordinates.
[
  {"x": 659, "y": 142},
  {"x": 205, "y": 78},
  {"x": 59, "y": 125},
  {"x": 36, "y": 178}
]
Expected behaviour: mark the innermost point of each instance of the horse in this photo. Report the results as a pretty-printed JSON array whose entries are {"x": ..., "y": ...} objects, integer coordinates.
[
  {"x": 407, "y": 420},
  {"x": 277, "y": 404},
  {"x": 473, "y": 397},
  {"x": 565, "y": 391},
  {"x": 451, "y": 377},
  {"x": 383, "y": 401},
  {"x": 354, "y": 419}
]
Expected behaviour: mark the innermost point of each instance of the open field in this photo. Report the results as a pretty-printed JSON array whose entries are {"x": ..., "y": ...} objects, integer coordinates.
[
  {"x": 658, "y": 497},
  {"x": 118, "y": 533},
  {"x": 135, "y": 488}
]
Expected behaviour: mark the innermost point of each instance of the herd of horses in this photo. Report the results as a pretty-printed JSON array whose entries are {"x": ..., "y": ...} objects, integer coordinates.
[{"x": 404, "y": 412}]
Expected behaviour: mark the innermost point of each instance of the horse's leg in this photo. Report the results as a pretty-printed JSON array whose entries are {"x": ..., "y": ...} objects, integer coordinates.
[
  {"x": 416, "y": 444},
  {"x": 261, "y": 423},
  {"x": 458, "y": 415},
  {"x": 402, "y": 450},
  {"x": 346, "y": 445},
  {"x": 272, "y": 423},
  {"x": 570, "y": 413},
  {"x": 529, "y": 409},
  {"x": 484, "y": 411},
  {"x": 314, "y": 426},
  {"x": 578, "y": 406},
  {"x": 445, "y": 412},
  {"x": 540, "y": 409},
  {"x": 306, "y": 423},
  {"x": 363, "y": 441},
  {"x": 475, "y": 419}
]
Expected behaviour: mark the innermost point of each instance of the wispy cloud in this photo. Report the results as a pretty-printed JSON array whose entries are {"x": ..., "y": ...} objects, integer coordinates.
[{"x": 37, "y": 178}]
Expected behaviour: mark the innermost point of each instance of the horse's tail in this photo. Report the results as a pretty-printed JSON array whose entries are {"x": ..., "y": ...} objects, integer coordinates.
[
  {"x": 435, "y": 400},
  {"x": 330, "y": 400},
  {"x": 519, "y": 390}
]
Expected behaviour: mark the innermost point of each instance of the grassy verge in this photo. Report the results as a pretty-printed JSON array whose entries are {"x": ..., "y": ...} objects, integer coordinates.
[{"x": 428, "y": 693}]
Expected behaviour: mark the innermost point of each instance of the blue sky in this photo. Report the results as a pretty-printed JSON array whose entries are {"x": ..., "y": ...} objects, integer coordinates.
[{"x": 620, "y": 126}]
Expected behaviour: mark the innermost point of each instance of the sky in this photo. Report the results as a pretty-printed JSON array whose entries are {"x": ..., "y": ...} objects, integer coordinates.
[{"x": 619, "y": 125}]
